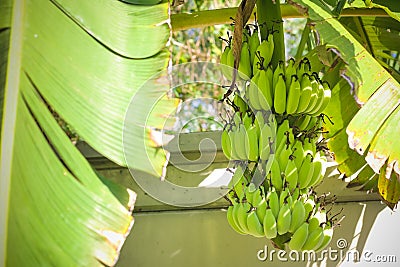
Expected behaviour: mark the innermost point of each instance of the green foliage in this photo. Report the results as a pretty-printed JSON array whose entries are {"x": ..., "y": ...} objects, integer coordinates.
[
  {"x": 79, "y": 64},
  {"x": 370, "y": 131}
]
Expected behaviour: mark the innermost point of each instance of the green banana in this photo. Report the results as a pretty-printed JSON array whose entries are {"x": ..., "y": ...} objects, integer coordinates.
[
  {"x": 285, "y": 141},
  {"x": 264, "y": 147},
  {"x": 313, "y": 223},
  {"x": 290, "y": 71},
  {"x": 314, "y": 94},
  {"x": 273, "y": 123},
  {"x": 258, "y": 197},
  {"x": 312, "y": 124},
  {"x": 254, "y": 42},
  {"x": 284, "y": 219},
  {"x": 298, "y": 216},
  {"x": 317, "y": 172},
  {"x": 245, "y": 67},
  {"x": 231, "y": 221},
  {"x": 306, "y": 172},
  {"x": 225, "y": 67},
  {"x": 266, "y": 49},
  {"x": 283, "y": 196},
  {"x": 299, "y": 237},
  {"x": 257, "y": 64},
  {"x": 280, "y": 95},
  {"x": 226, "y": 144},
  {"x": 309, "y": 206},
  {"x": 291, "y": 174},
  {"x": 314, "y": 239},
  {"x": 273, "y": 202},
  {"x": 240, "y": 103},
  {"x": 279, "y": 70},
  {"x": 250, "y": 192},
  {"x": 290, "y": 200},
  {"x": 261, "y": 209},
  {"x": 239, "y": 182},
  {"x": 296, "y": 194},
  {"x": 306, "y": 66},
  {"x": 301, "y": 69},
  {"x": 264, "y": 93},
  {"x": 303, "y": 122},
  {"x": 269, "y": 224},
  {"x": 325, "y": 101},
  {"x": 254, "y": 226},
  {"x": 252, "y": 144},
  {"x": 305, "y": 96},
  {"x": 323, "y": 160},
  {"x": 283, "y": 157},
  {"x": 235, "y": 217},
  {"x": 276, "y": 177},
  {"x": 252, "y": 92},
  {"x": 237, "y": 119},
  {"x": 320, "y": 99},
  {"x": 232, "y": 136},
  {"x": 247, "y": 121},
  {"x": 242, "y": 211},
  {"x": 259, "y": 121},
  {"x": 310, "y": 147},
  {"x": 293, "y": 95},
  {"x": 328, "y": 234},
  {"x": 281, "y": 134},
  {"x": 230, "y": 63},
  {"x": 240, "y": 140},
  {"x": 298, "y": 153}
]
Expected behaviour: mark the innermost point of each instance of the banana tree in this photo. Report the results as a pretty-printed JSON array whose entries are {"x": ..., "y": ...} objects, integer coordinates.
[
  {"x": 83, "y": 61},
  {"x": 353, "y": 39},
  {"x": 55, "y": 208}
]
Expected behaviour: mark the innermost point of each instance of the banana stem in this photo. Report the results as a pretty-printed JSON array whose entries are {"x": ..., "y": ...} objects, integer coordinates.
[
  {"x": 303, "y": 41},
  {"x": 270, "y": 18},
  {"x": 204, "y": 18}
]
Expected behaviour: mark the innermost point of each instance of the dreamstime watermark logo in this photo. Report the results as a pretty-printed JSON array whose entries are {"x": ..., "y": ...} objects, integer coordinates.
[
  {"x": 340, "y": 254},
  {"x": 160, "y": 136}
]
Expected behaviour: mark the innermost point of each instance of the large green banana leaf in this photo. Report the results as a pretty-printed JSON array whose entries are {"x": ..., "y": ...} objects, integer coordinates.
[
  {"x": 5, "y": 21},
  {"x": 371, "y": 130},
  {"x": 84, "y": 60}
]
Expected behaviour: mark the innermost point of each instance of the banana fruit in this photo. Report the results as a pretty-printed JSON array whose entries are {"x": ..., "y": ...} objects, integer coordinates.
[{"x": 275, "y": 131}]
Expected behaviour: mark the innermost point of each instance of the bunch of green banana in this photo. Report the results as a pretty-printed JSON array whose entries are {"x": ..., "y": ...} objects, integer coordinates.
[{"x": 277, "y": 123}]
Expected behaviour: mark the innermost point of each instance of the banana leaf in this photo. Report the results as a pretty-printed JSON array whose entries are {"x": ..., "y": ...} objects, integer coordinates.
[
  {"x": 373, "y": 129},
  {"x": 56, "y": 198},
  {"x": 83, "y": 62},
  {"x": 5, "y": 21},
  {"x": 89, "y": 85}
]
